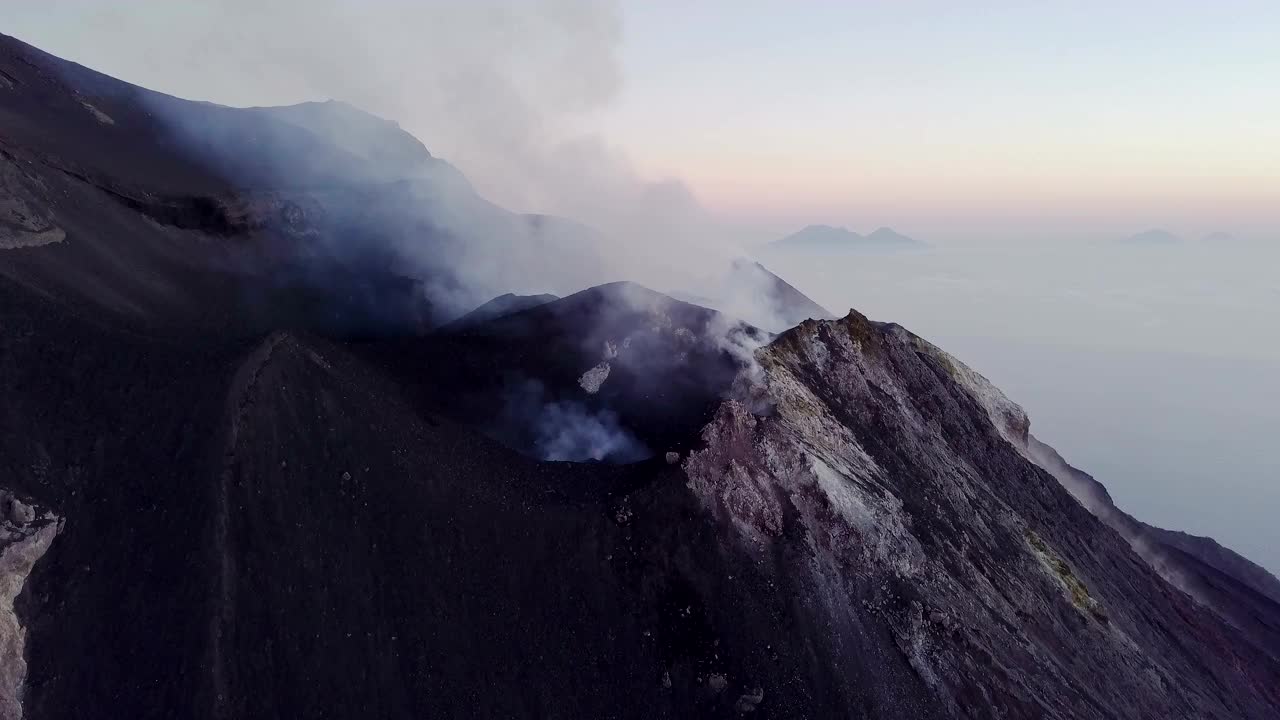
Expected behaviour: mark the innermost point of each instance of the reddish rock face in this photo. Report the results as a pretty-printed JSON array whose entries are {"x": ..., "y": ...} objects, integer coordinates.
[{"x": 904, "y": 477}]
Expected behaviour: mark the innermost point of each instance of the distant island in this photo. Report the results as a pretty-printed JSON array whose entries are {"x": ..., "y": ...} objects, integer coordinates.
[
  {"x": 1219, "y": 236},
  {"x": 827, "y": 237},
  {"x": 1154, "y": 236}
]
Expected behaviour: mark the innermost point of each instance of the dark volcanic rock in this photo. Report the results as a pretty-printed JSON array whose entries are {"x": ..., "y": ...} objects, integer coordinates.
[
  {"x": 660, "y": 366},
  {"x": 498, "y": 307},
  {"x": 1240, "y": 591},
  {"x": 920, "y": 534},
  {"x": 169, "y": 212},
  {"x": 112, "y": 212},
  {"x": 178, "y": 210},
  {"x": 1207, "y": 551},
  {"x": 300, "y": 540},
  {"x": 239, "y": 480}
]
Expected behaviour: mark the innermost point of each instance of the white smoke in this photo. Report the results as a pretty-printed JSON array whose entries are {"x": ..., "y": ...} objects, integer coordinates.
[
  {"x": 508, "y": 91},
  {"x": 564, "y": 429},
  {"x": 505, "y": 91},
  {"x": 568, "y": 431}
]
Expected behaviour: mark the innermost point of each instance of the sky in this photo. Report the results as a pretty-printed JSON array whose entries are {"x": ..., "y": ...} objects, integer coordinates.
[
  {"x": 996, "y": 115},
  {"x": 978, "y": 120},
  {"x": 1018, "y": 139},
  {"x": 992, "y": 117}
]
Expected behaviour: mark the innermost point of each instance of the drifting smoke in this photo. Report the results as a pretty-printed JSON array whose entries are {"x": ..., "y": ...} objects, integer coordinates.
[
  {"x": 505, "y": 90},
  {"x": 565, "y": 430}
]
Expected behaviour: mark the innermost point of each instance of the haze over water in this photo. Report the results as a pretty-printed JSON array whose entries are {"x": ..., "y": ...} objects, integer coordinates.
[{"x": 1152, "y": 368}]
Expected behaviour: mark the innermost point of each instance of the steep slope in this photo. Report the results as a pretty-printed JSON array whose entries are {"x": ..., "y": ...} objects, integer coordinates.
[
  {"x": 292, "y": 539},
  {"x": 394, "y": 541},
  {"x": 297, "y": 540},
  {"x": 300, "y": 540},
  {"x": 238, "y": 480},
  {"x": 136, "y": 215},
  {"x": 498, "y": 307},
  {"x": 138, "y": 141},
  {"x": 1238, "y": 590},
  {"x": 1243, "y": 593},
  {"x": 108, "y": 429},
  {"x": 167, "y": 212},
  {"x": 915, "y": 529},
  {"x": 1207, "y": 550},
  {"x": 173, "y": 213}
]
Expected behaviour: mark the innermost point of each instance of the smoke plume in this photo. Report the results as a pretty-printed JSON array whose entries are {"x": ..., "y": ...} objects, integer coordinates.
[
  {"x": 495, "y": 180},
  {"x": 563, "y": 429},
  {"x": 509, "y": 92}
]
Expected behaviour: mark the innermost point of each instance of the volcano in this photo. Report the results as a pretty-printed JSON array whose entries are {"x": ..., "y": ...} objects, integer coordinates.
[{"x": 253, "y": 465}]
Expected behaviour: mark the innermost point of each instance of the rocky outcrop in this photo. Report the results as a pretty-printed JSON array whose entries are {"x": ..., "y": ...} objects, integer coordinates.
[
  {"x": 923, "y": 525},
  {"x": 26, "y": 532},
  {"x": 1239, "y": 591},
  {"x": 24, "y": 217}
]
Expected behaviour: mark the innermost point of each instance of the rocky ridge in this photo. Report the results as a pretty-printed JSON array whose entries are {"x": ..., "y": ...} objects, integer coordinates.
[{"x": 876, "y": 459}]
